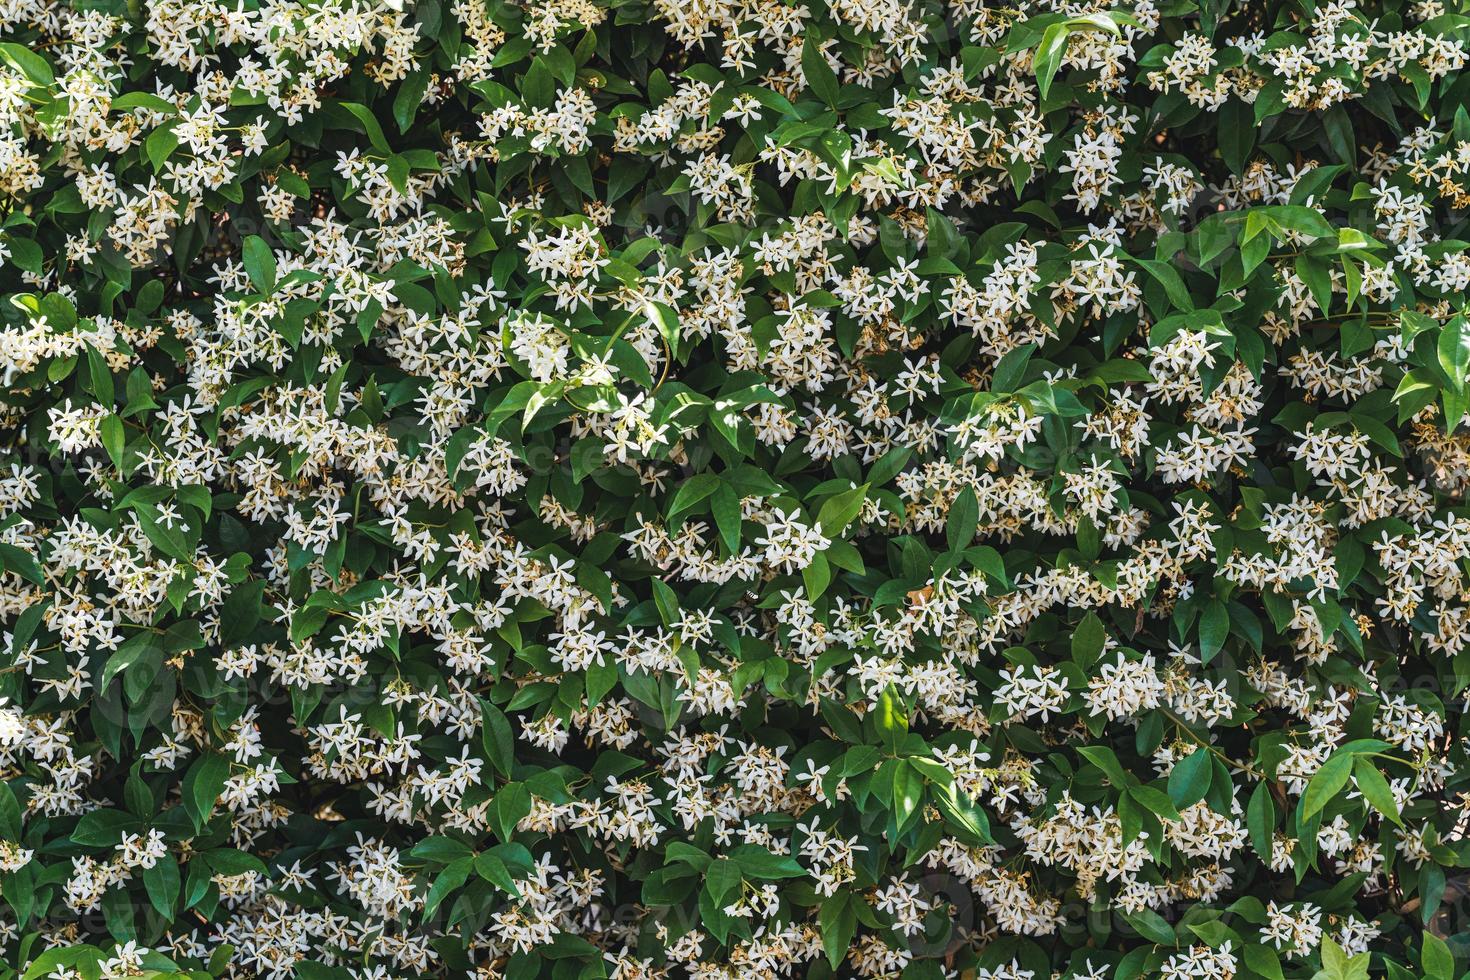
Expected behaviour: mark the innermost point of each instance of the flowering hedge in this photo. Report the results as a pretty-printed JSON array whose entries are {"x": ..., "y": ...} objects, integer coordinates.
[{"x": 604, "y": 488}]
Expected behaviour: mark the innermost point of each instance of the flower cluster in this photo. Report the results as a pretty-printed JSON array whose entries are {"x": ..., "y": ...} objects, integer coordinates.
[{"x": 913, "y": 489}]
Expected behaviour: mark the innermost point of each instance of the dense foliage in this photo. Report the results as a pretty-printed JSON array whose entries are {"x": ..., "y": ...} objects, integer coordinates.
[{"x": 697, "y": 488}]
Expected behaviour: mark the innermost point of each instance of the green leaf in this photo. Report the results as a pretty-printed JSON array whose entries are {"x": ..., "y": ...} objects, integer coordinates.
[
  {"x": 892, "y": 718},
  {"x": 666, "y": 320},
  {"x": 130, "y": 653},
  {"x": 128, "y": 101},
  {"x": 1435, "y": 957},
  {"x": 165, "y": 535},
  {"x": 408, "y": 99},
  {"x": 162, "y": 884},
  {"x": 1375, "y": 788},
  {"x": 1173, "y": 285},
  {"x": 757, "y": 863},
  {"x": 498, "y": 739},
  {"x": 370, "y": 126},
  {"x": 1326, "y": 783},
  {"x": 908, "y": 792},
  {"x": 1337, "y": 965},
  {"x": 1237, "y": 134},
  {"x": 114, "y": 439},
  {"x": 1189, "y": 780},
  {"x": 1155, "y": 801},
  {"x": 1300, "y": 219},
  {"x": 260, "y": 264},
  {"x": 438, "y": 848},
  {"x": 53, "y": 960},
  {"x": 493, "y": 869},
  {"x": 601, "y": 678},
  {"x": 1088, "y": 640},
  {"x": 104, "y": 828},
  {"x": 964, "y": 517},
  {"x": 100, "y": 376},
  {"x": 683, "y": 853},
  {"x": 33, "y": 66},
  {"x": 160, "y": 143},
  {"x": 1263, "y": 961},
  {"x": 819, "y": 75},
  {"x": 693, "y": 490},
  {"x": 1454, "y": 351},
  {"x": 1214, "y": 628},
  {"x": 1260, "y": 820},
  {"x": 1151, "y": 926},
  {"x": 722, "y": 881},
  {"x": 962, "y": 812},
  {"x": 1317, "y": 274},
  {"x": 1049, "y": 54},
  {"x": 446, "y": 881},
  {"x": 1010, "y": 370},
  {"x": 725, "y": 504},
  {"x": 816, "y": 576},
  {"x": 512, "y": 803},
  {"x": 203, "y": 784},
  {"x": 229, "y": 861},
  {"x": 837, "y": 921},
  {"x": 839, "y": 510},
  {"x": 13, "y": 559},
  {"x": 1106, "y": 760}
]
